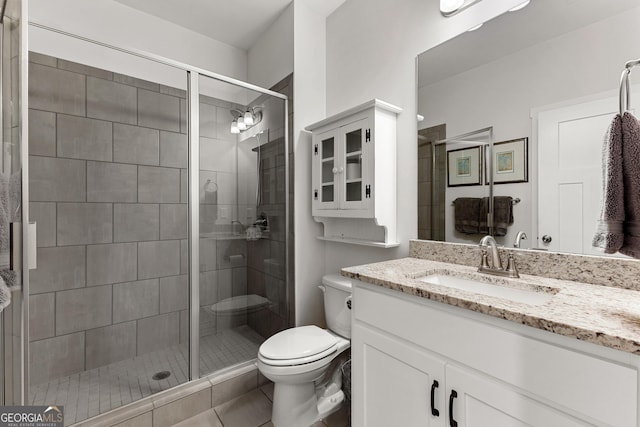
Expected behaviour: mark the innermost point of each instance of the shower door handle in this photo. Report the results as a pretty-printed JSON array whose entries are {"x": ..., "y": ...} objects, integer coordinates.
[{"x": 15, "y": 246}]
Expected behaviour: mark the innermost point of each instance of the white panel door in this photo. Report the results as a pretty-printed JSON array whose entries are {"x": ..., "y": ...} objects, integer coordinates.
[{"x": 570, "y": 174}]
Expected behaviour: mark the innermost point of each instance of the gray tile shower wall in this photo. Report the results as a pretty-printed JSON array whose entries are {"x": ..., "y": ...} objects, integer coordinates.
[{"x": 108, "y": 179}]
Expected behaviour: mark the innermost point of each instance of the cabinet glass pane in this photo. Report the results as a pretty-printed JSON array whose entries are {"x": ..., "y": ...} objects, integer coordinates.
[
  {"x": 327, "y": 172},
  {"x": 354, "y": 141},
  {"x": 327, "y": 193},
  {"x": 354, "y": 191},
  {"x": 354, "y": 167},
  {"x": 327, "y": 148}
]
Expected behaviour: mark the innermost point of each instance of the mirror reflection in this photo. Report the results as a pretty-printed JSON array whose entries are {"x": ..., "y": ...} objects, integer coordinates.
[{"x": 545, "y": 79}]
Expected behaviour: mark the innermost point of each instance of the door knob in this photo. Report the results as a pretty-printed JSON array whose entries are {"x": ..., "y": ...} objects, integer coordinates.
[{"x": 546, "y": 239}]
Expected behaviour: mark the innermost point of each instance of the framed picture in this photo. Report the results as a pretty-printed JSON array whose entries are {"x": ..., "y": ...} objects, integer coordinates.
[
  {"x": 510, "y": 162},
  {"x": 464, "y": 167}
]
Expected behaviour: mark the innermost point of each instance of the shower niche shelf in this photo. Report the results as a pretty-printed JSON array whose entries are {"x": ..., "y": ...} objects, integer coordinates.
[{"x": 353, "y": 175}]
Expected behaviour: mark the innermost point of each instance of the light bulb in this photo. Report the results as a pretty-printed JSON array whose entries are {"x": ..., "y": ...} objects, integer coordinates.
[
  {"x": 241, "y": 124},
  {"x": 234, "y": 127},
  {"x": 248, "y": 118},
  {"x": 449, "y": 6}
]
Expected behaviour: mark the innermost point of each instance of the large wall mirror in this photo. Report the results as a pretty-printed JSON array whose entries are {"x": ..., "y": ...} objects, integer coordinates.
[{"x": 545, "y": 80}]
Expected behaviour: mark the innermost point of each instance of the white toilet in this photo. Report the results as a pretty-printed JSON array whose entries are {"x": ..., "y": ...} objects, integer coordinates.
[{"x": 297, "y": 358}]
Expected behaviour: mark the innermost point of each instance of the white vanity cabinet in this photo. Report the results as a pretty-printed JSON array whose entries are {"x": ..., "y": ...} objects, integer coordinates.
[
  {"x": 353, "y": 174},
  {"x": 480, "y": 371}
]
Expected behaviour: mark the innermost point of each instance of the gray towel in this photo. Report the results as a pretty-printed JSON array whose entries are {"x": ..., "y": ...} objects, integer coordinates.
[
  {"x": 618, "y": 229},
  {"x": 631, "y": 173},
  {"x": 502, "y": 214},
  {"x": 5, "y": 213},
  {"x": 10, "y": 278},
  {"x": 467, "y": 215},
  {"x": 5, "y": 295},
  {"x": 609, "y": 233}
]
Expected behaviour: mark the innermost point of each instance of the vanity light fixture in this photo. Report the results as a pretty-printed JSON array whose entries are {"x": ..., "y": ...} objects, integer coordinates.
[
  {"x": 452, "y": 7},
  {"x": 248, "y": 118},
  {"x": 241, "y": 124},
  {"x": 243, "y": 120},
  {"x": 234, "y": 127},
  {"x": 520, "y": 6}
]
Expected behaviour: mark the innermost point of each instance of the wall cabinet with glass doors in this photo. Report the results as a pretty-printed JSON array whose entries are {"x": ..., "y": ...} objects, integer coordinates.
[{"x": 353, "y": 174}]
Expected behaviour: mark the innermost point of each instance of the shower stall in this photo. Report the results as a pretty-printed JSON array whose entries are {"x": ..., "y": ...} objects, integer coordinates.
[{"x": 160, "y": 194}]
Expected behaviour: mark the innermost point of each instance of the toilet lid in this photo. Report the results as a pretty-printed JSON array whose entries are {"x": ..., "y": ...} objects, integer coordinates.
[{"x": 296, "y": 343}]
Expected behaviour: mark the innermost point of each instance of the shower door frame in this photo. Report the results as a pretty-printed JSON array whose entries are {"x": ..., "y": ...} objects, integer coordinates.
[{"x": 192, "y": 74}]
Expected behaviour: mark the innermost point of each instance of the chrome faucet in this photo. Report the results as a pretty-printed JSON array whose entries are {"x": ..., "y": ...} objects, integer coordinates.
[
  {"x": 519, "y": 237},
  {"x": 496, "y": 264}
]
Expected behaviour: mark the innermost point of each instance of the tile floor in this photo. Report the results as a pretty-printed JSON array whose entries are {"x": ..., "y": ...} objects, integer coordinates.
[
  {"x": 89, "y": 393},
  {"x": 253, "y": 410}
]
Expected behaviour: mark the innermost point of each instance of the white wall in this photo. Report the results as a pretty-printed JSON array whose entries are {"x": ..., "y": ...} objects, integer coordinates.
[
  {"x": 309, "y": 106},
  {"x": 552, "y": 72},
  {"x": 110, "y": 22},
  {"x": 371, "y": 51},
  {"x": 270, "y": 59}
]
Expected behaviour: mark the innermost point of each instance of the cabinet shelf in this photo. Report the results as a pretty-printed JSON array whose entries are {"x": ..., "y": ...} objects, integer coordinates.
[{"x": 361, "y": 242}]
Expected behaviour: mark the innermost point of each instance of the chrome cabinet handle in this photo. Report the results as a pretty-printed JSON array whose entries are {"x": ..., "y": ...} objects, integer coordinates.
[{"x": 546, "y": 239}]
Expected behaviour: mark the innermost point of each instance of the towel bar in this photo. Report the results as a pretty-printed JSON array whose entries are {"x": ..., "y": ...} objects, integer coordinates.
[{"x": 513, "y": 201}]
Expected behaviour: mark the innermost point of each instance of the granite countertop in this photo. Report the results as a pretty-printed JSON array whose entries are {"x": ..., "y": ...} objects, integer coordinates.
[{"x": 603, "y": 315}]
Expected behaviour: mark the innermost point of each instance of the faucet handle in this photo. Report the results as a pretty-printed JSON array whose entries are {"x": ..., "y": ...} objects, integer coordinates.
[
  {"x": 512, "y": 269},
  {"x": 484, "y": 263}
]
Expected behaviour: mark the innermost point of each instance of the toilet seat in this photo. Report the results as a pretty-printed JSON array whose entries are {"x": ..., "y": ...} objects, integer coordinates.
[{"x": 298, "y": 346}]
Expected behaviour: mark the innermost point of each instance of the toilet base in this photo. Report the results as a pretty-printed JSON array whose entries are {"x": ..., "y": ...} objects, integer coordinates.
[{"x": 298, "y": 405}]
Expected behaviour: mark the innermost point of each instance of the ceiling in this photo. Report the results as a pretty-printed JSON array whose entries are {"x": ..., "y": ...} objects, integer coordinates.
[
  {"x": 540, "y": 21},
  {"x": 238, "y": 23}
]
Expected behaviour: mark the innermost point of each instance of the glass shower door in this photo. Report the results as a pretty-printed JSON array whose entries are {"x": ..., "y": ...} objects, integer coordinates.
[
  {"x": 109, "y": 301},
  {"x": 241, "y": 189},
  {"x": 13, "y": 119}
]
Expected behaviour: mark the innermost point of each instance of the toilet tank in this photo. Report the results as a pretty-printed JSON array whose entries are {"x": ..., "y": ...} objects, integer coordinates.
[{"x": 337, "y": 311}]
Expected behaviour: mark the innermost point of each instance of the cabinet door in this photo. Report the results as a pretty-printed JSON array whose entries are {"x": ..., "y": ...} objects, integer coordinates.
[
  {"x": 478, "y": 401},
  {"x": 325, "y": 164},
  {"x": 393, "y": 382},
  {"x": 356, "y": 182}
]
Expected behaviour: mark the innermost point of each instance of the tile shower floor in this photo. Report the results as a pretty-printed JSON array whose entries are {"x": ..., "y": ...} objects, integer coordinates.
[{"x": 90, "y": 393}]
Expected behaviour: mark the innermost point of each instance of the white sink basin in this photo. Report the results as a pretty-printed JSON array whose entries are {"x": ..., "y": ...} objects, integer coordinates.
[{"x": 509, "y": 289}]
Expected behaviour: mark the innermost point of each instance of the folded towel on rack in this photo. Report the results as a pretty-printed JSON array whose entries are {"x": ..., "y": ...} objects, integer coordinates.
[
  {"x": 467, "y": 215},
  {"x": 610, "y": 228},
  {"x": 483, "y": 215},
  {"x": 502, "y": 214}
]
